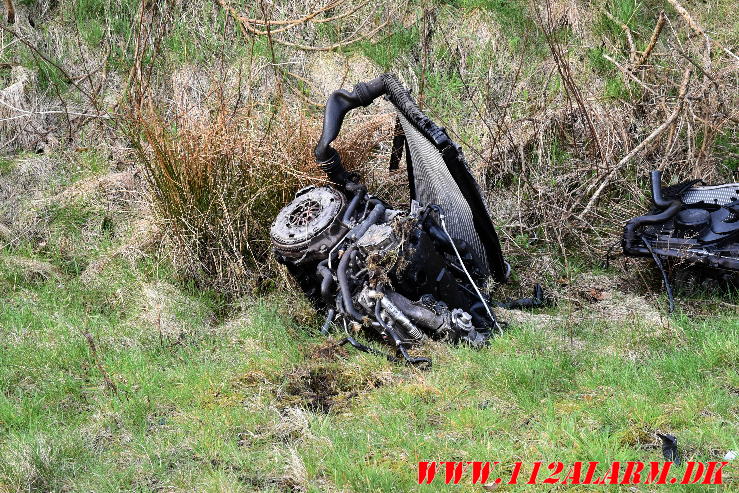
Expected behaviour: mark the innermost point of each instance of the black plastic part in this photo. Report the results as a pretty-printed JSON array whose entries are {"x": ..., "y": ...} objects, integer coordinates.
[
  {"x": 669, "y": 448},
  {"x": 337, "y": 106},
  {"x": 398, "y": 144},
  {"x": 692, "y": 219},
  {"x": 535, "y": 301},
  {"x": 719, "y": 217},
  {"x": 672, "y": 208}
]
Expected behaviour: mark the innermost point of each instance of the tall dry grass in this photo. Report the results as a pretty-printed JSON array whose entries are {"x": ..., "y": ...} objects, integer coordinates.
[{"x": 217, "y": 183}]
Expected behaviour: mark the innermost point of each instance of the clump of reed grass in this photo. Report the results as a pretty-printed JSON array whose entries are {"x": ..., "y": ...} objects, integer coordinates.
[{"x": 218, "y": 181}]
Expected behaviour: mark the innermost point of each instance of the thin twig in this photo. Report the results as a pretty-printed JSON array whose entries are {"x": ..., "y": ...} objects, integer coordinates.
[
  {"x": 629, "y": 37},
  {"x": 655, "y": 133},
  {"x": 93, "y": 351},
  {"x": 628, "y": 74},
  {"x": 247, "y": 24}
]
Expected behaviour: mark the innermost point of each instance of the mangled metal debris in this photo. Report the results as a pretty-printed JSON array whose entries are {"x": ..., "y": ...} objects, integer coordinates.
[
  {"x": 690, "y": 222},
  {"x": 403, "y": 275}
]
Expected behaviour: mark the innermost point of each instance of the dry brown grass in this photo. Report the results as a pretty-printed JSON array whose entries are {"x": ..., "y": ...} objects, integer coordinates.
[{"x": 218, "y": 181}]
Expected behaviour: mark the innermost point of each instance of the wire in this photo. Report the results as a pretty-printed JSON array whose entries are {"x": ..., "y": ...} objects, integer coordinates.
[
  {"x": 464, "y": 268},
  {"x": 668, "y": 286}
]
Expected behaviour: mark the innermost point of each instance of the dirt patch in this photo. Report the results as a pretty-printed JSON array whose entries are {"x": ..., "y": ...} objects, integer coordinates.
[
  {"x": 319, "y": 389},
  {"x": 328, "y": 350},
  {"x": 323, "y": 383},
  {"x": 174, "y": 315}
]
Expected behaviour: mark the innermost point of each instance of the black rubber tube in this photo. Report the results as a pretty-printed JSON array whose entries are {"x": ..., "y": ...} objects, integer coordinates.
[
  {"x": 352, "y": 207},
  {"x": 378, "y": 211},
  {"x": 326, "y": 281},
  {"x": 366, "y": 349},
  {"x": 346, "y": 294},
  {"x": 327, "y": 323},
  {"x": 337, "y": 106},
  {"x": 672, "y": 208},
  {"x": 656, "y": 179}
]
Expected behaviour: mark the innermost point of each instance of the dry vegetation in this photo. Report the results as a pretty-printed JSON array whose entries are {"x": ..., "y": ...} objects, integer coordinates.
[
  {"x": 562, "y": 109},
  {"x": 562, "y": 134},
  {"x": 218, "y": 180},
  {"x": 147, "y": 145}
]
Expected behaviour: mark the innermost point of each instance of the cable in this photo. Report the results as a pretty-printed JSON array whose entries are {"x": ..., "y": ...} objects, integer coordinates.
[
  {"x": 327, "y": 324},
  {"x": 361, "y": 347},
  {"x": 668, "y": 286},
  {"x": 464, "y": 268}
]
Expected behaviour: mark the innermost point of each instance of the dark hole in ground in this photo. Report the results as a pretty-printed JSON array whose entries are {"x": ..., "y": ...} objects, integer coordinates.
[
  {"x": 321, "y": 383},
  {"x": 318, "y": 389}
]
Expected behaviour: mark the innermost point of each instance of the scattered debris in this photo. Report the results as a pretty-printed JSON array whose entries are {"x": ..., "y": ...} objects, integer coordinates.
[{"x": 669, "y": 448}]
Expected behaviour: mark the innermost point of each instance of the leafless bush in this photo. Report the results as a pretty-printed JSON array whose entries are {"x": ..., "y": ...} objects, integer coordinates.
[
  {"x": 298, "y": 24},
  {"x": 567, "y": 167}
]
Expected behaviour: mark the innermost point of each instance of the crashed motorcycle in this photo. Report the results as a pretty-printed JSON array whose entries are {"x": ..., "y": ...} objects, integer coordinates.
[
  {"x": 402, "y": 275},
  {"x": 690, "y": 222}
]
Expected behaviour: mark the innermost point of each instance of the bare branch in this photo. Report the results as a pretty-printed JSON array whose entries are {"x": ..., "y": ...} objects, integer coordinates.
[
  {"x": 628, "y": 74},
  {"x": 653, "y": 40},
  {"x": 698, "y": 29},
  {"x": 655, "y": 133},
  {"x": 627, "y": 31}
]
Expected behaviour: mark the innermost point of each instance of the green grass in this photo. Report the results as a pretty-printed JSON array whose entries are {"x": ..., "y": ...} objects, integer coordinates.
[
  {"x": 6, "y": 165},
  {"x": 210, "y": 396},
  {"x": 257, "y": 402},
  {"x": 513, "y": 15},
  {"x": 386, "y": 52},
  {"x": 727, "y": 148}
]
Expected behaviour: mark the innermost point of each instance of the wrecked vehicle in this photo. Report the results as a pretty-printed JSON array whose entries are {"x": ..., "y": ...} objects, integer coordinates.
[
  {"x": 402, "y": 275},
  {"x": 690, "y": 222}
]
